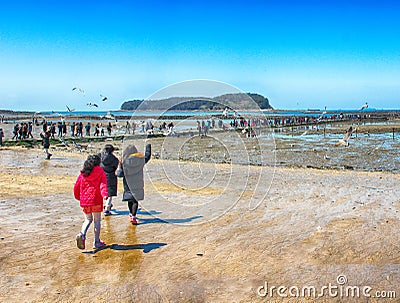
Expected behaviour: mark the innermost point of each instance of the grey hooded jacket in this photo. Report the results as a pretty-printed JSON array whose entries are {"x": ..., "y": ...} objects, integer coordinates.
[{"x": 131, "y": 170}]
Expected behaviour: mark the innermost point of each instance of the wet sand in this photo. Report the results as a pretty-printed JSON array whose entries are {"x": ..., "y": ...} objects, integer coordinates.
[{"x": 311, "y": 227}]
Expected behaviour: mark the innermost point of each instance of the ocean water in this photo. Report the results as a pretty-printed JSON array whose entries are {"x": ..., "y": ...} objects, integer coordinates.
[{"x": 199, "y": 113}]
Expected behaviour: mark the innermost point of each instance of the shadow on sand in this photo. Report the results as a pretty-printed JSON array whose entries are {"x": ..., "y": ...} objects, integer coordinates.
[
  {"x": 154, "y": 218},
  {"x": 168, "y": 221},
  {"x": 148, "y": 247}
]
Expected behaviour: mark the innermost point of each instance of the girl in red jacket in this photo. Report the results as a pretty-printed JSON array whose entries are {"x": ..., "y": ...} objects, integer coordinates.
[{"x": 91, "y": 189}]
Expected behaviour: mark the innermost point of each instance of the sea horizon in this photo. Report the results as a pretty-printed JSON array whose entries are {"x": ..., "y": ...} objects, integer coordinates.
[{"x": 199, "y": 113}]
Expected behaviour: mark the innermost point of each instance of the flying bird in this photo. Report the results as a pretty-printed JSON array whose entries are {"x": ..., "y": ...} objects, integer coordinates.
[
  {"x": 79, "y": 90},
  {"x": 346, "y": 137},
  {"x": 69, "y": 109},
  {"x": 77, "y": 146},
  {"x": 364, "y": 106},
  {"x": 92, "y": 104},
  {"x": 376, "y": 148},
  {"x": 103, "y": 98},
  {"x": 109, "y": 116},
  {"x": 63, "y": 141}
]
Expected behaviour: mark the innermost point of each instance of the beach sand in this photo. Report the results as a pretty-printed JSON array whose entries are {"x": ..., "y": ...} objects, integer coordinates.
[{"x": 311, "y": 227}]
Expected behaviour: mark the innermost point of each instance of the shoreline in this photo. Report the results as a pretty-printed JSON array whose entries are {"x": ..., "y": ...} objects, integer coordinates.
[{"x": 274, "y": 113}]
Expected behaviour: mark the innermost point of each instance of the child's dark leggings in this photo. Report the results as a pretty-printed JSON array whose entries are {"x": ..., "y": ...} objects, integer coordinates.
[{"x": 133, "y": 207}]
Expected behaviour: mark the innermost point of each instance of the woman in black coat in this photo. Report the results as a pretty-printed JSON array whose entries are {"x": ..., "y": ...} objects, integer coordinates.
[{"x": 109, "y": 163}]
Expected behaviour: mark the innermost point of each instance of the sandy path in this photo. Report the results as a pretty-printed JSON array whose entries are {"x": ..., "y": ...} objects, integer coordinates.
[{"x": 312, "y": 227}]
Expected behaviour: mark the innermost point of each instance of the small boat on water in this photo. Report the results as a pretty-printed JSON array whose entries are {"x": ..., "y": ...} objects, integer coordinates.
[{"x": 313, "y": 111}]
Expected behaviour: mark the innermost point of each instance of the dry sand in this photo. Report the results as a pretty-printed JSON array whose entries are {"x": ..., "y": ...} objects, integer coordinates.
[{"x": 311, "y": 227}]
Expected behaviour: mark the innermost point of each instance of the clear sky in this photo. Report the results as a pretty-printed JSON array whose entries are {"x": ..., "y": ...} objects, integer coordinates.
[{"x": 299, "y": 54}]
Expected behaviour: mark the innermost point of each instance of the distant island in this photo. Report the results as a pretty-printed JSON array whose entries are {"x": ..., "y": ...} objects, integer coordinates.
[{"x": 232, "y": 101}]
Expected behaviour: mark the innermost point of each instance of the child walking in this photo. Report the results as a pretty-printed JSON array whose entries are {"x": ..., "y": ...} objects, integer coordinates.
[
  {"x": 109, "y": 163},
  {"x": 91, "y": 189},
  {"x": 131, "y": 170}
]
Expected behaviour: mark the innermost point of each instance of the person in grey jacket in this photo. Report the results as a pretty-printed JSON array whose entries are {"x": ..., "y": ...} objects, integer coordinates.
[
  {"x": 131, "y": 170},
  {"x": 46, "y": 143},
  {"x": 109, "y": 163}
]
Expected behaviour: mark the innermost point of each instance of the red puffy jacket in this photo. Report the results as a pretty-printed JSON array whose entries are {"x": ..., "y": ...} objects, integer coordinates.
[{"x": 90, "y": 190}]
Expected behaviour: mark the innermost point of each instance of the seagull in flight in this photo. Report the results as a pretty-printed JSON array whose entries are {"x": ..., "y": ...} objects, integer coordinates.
[
  {"x": 103, "y": 98},
  {"x": 109, "y": 116},
  {"x": 364, "y": 106},
  {"x": 79, "y": 90},
  {"x": 69, "y": 109},
  {"x": 63, "y": 141},
  {"x": 346, "y": 137},
  {"x": 92, "y": 104},
  {"x": 77, "y": 146}
]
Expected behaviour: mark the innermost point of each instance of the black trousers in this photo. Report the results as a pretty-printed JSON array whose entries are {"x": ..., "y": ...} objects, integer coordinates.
[{"x": 133, "y": 206}]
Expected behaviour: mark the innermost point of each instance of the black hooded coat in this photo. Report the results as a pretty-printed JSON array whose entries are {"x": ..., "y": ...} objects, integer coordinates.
[{"x": 109, "y": 163}]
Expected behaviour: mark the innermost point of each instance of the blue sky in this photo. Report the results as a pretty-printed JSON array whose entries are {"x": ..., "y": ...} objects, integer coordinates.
[{"x": 299, "y": 54}]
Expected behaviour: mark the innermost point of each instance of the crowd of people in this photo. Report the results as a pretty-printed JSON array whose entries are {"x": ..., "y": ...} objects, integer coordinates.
[
  {"x": 24, "y": 130},
  {"x": 289, "y": 120},
  {"x": 61, "y": 129}
]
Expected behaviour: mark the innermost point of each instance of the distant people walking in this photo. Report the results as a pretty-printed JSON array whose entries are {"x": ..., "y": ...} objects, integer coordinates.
[
  {"x": 79, "y": 132},
  {"x": 203, "y": 128},
  {"x": 60, "y": 129},
  {"x": 15, "y": 132},
  {"x": 109, "y": 163},
  {"x": 127, "y": 128},
  {"x": 73, "y": 129},
  {"x": 96, "y": 130},
  {"x": 53, "y": 130},
  {"x": 44, "y": 125},
  {"x": 87, "y": 129},
  {"x": 64, "y": 128},
  {"x": 109, "y": 128},
  {"x": 207, "y": 127},
  {"x": 199, "y": 127},
  {"x": 30, "y": 129},
  {"x": 133, "y": 127},
  {"x": 91, "y": 189},
  {"x": 1, "y": 136},
  {"x": 20, "y": 131},
  {"x": 131, "y": 170},
  {"x": 46, "y": 143}
]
